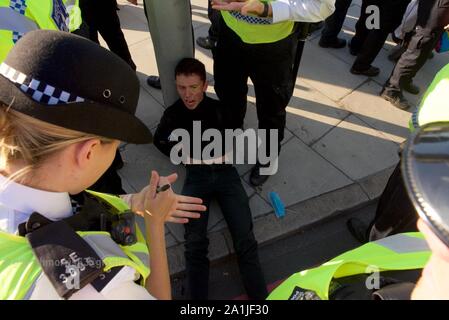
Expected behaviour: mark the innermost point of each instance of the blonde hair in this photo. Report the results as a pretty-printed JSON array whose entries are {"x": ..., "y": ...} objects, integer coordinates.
[{"x": 24, "y": 138}]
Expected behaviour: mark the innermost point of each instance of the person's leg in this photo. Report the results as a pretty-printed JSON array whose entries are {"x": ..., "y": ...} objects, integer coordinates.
[
  {"x": 109, "y": 28},
  {"x": 426, "y": 35},
  {"x": 214, "y": 17},
  {"x": 272, "y": 75},
  {"x": 231, "y": 74},
  {"x": 361, "y": 31},
  {"x": 375, "y": 40},
  {"x": 88, "y": 9},
  {"x": 334, "y": 23},
  {"x": 412, "y": 60},
  {"x": 196, "y": 241},
  {"x": 234, "y": 204}
]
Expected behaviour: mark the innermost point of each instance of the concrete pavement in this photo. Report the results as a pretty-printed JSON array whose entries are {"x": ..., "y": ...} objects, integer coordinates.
[{"x": 340, "y": 145}]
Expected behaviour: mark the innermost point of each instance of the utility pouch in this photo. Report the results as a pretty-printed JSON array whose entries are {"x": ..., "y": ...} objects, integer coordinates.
[{"x": 66, "y": 259}]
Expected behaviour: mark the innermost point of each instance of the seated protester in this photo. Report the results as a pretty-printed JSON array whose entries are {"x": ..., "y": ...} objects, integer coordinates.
[
  {"x": 206, "y": 181},
  {"x": 58, "y": 134}
]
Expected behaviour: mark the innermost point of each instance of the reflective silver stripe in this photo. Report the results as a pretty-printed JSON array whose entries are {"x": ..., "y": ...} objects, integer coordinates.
[
  {"x": 401, "y": 243},
  {"x": 104, "y": 246},
  {"x": 14, "y": 21},
  {"x": 415, "y": 121},
  {"x": 143, "y": 257},
  {"x": 31, "y": 290}
]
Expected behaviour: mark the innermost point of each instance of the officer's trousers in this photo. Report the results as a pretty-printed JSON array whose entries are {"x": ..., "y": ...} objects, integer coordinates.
[
  {"x": 433, "y": 16},
  {"x": 334, "y": 23},
  {"x": 270, "y": 67},
  {"x": 367, "y": 43},
  {"x": 101, "y": 16}
]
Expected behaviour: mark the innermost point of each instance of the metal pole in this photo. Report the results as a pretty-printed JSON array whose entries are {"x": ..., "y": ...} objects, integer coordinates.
[{"x": 170, "y": 24}]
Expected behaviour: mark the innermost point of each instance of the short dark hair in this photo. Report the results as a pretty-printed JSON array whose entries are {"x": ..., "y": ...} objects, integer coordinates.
[{"x": 189, "y": 66}]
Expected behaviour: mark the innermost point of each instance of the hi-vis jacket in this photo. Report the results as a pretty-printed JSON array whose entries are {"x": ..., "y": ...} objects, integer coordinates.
[
  {"x": 408, "y": 251},
  {"x": 20, "y": 270},
  {"x": 18, "y": 17}
]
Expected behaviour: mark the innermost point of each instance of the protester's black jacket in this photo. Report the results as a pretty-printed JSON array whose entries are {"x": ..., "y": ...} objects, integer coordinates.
[{"x": 211, "y": 113}]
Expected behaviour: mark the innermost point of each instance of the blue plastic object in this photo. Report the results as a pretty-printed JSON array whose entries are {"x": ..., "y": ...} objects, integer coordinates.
[{"x": 277, "y": 204}]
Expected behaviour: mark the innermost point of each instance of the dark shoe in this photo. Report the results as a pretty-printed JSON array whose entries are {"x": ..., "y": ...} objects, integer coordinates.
[
  {"x": 370, "y": 72},
  {"x": 358, "y": 229},
  {"x": 431, "y": 55},
  {"x": 336, "y": 43},
  {"x": 154, "y": 81},
  {"x": 206, "y": 43},
  {"x": 256, "y": 178},
  {"x": 397, "y": 100},
  {"x": 411, "y": 88}
]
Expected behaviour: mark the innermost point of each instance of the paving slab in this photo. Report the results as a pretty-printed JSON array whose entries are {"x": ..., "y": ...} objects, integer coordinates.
[
  {"x": 302, "y": 174},
  {"x": 259, "y": 205},
  {"x": 375, "y": 184},
  {"x": 328, "y": 80},
  {"x": 132, "y": 19},
  {"x": 367, "y": 105},
  {"x": 311, "y": 114},
  {"x": 141, "y": 159},
  {"x": 269, "y": 227},
  {"x": 352, "y": 16},
  {"x": 357, "y": 149},
  {"x": 149, "y": 110}
]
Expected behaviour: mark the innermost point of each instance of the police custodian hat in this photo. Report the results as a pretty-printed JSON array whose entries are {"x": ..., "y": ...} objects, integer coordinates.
[
  {"x": 72, "y": 82},
  {"x": 425, "y": 168}
]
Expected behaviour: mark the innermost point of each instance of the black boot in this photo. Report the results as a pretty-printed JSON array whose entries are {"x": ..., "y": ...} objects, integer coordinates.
[{"x": 256, "y": 178}]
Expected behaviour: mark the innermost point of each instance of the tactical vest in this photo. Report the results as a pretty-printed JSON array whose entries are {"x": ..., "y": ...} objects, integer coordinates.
[
  {"x": 408, "y": 251},
  {"x": 434, "y": 105},
  {"x": 255, "y": 30},
  {"x": 18, "y": 17},
  {"x": 20, "y": 270}
]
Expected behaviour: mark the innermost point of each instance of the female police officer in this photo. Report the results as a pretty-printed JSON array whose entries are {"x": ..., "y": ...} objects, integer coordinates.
[{"x": 65, "y": 103}]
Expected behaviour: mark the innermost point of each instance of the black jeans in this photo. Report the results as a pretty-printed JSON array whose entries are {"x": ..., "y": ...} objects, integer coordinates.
[
  {"x": 221, "y": 182},
  {"x": 334, "y": 23},
  {"x": 270, "y": 67},
  {"x": 101, "y": 16},
  {"x": 433, "y": 16},
  {"x": 368, "y": 43}
]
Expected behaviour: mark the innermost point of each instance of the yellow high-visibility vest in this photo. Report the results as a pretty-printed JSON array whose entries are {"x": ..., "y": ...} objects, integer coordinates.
[{"x": 18, "y": 17}]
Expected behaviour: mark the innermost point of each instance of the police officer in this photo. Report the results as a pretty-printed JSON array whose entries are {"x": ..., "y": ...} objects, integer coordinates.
[
  {"x": 58, "y": 135},
  {"x": 259, "y": 40},
  {"x": 21, "y": 16}
]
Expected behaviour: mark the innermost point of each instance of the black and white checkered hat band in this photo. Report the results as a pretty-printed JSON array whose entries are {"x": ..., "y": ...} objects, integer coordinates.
[
  {"x": 251, "y": 19},
  {"x": 38, "y": 90}
]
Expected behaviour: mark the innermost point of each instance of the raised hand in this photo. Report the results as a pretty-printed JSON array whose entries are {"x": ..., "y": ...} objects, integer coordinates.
[
  {"x": 185, "y": 208},
  {"x": 245, "y": 7}
]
